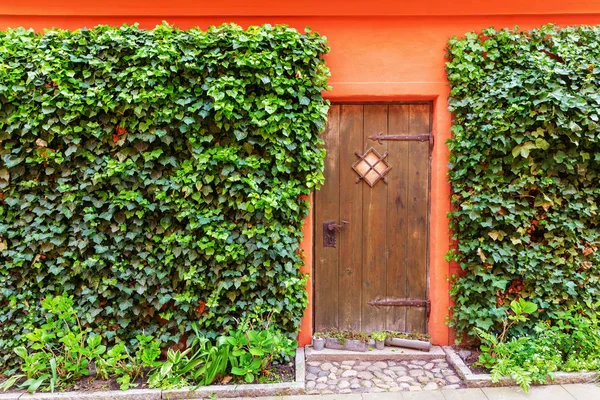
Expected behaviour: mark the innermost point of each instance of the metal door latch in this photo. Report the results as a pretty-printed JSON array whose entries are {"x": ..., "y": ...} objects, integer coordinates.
[{"x": 329, "y": 230}]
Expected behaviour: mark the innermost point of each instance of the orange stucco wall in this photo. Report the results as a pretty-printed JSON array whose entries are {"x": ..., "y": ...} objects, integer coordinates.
[{"x": 380, "y": 51}]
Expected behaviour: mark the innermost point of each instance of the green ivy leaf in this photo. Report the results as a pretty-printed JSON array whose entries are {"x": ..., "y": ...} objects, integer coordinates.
[{"x": 542, "y": 144}]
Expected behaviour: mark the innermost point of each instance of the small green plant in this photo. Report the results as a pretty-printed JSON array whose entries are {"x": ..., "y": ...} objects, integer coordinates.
[
  {"x": 342, "y": 335},
  {"x": 379, "y": 336},
  {"x": 410, "y": 336},
  {"x": 199, "y": 365},
  {"x": 246, "y": 353},
  {"x": 510, "y": 359},
  {"x": 60, "y": 350},
  {"x": 175, "y": 371},
  {"x": 119, "y": 363},
  {"x": 253, "y": 350},
  {"x": 521, "y": 310},
  {"x": 578, "y": 332}
]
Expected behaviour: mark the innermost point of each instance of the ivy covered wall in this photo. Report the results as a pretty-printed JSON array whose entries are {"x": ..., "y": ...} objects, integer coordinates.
[
  {"x": 157, "y": 175},
  {"x": 524, "y": 171}
]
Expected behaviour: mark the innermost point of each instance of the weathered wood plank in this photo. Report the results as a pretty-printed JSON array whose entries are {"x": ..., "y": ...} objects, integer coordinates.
[
  {"x": 418, "y": 217},
  {"x": 350, "y": 239},
  {"x": 397, "y": 225},
  {"x": 374, "y": 241},
  {"x": 327, "y": 207}
]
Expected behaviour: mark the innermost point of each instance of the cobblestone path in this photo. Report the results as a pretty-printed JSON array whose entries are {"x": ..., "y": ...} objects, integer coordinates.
[{"x": 324, "y": 377}]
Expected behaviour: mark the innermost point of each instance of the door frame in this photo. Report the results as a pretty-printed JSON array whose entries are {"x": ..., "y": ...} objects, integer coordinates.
[
  {"x": 440, "y": 241},
  {"x": 432, "y": 103}
]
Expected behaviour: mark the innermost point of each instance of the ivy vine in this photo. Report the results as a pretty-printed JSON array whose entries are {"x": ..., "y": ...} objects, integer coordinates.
[
  {"x": 158, "y": 176},
  {"x": 524, "y": 171}
]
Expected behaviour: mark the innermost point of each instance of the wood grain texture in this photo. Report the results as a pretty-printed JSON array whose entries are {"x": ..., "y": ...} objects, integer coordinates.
[
  {"x": 397, "y": 228},
  {"x": 383, "y": 250},
  {"x": 327, "y": 208},
  {"x": 418, "y": 217},
  {"x": 350, "y": 271},
  {"x": 374, "y": 243}
]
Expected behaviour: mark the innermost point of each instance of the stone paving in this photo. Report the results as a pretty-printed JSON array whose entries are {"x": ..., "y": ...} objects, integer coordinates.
[
  {"x": 324, "y": 377},
  {"x": 589, "y": 391}
]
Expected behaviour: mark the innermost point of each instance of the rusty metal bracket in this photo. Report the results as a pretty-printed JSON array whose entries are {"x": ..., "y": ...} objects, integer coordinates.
[
  {"x": 329, "y": 230},
  {"x": 419, "y": 137},
  {"x": 401, "y": 303},
  {"x": 431, "y": 142}
]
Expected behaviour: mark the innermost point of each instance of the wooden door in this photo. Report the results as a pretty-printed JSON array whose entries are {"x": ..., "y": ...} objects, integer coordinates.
[{"x": 381, "y": 231}]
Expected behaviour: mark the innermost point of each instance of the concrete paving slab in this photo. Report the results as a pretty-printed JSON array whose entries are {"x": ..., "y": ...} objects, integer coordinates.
[
  {"x": 464, "y": 394},
  {"x": 582, "y": 391},
  {"x": 298, "y": 397},
  {"x": 383, "y": 396},
  {"x": 550, "y": 392},
  {"x": 425, "y": 395},
  {"x": 351, "y": 396},
  {"x": 504, "y": 393},
  {"x": 388, "y": 353}
]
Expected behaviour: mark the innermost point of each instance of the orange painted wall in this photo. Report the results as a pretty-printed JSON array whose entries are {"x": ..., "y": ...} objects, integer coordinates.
[{"x": 380, "y": 51}]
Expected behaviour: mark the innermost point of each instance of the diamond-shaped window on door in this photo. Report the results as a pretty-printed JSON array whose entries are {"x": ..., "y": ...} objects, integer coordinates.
[{"x": 371, "y": 167}]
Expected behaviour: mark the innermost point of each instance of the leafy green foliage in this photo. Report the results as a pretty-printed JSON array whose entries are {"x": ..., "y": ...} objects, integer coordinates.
[
  {"x": 159, "y": 176},
  {"x": 425, "y": 337},
  {"x": 570, "y": 342},
  {"x": 579, "y": 338},
  {"x": 524, "y": 172},
  {"x": 345, "y": 334},
  {"x": 119, "y": 363},
  {"x": 243, "y": 353},
  {"x": 201, "y": 363},
  {"x": 379, "y": 336},
  {"x": 60, "y": 352},
  {"x": 252, "y": 351}
]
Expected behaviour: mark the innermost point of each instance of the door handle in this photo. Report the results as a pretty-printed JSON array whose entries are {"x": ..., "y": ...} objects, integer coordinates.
[
  {"x": 332, "y": 226},
  {"x": 329, "y": 230}
]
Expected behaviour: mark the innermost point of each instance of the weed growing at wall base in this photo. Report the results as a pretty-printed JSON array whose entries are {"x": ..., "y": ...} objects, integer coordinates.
[{"x": 59, "y": 353}]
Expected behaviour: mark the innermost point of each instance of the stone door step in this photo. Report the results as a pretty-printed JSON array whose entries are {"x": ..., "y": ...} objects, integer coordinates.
[{"x": 388, "y": 353}]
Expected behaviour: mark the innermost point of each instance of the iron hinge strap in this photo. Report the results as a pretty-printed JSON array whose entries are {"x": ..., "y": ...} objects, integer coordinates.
[
  {"x": 419, "y": 137},
  {"x": 401, "y": 303}
]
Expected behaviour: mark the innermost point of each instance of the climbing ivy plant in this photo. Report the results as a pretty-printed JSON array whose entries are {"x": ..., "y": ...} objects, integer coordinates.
[
  {"x": 524, "y": 171},
  {"x": 158, "y": 176}
]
